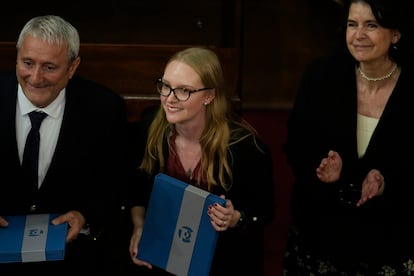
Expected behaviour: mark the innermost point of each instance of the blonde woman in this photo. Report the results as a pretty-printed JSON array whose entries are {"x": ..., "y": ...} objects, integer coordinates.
[{"x": 192, "y": 137}]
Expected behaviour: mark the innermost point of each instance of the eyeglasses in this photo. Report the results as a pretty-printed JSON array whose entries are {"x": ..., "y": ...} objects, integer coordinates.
[{"x": 182, "y": 94}]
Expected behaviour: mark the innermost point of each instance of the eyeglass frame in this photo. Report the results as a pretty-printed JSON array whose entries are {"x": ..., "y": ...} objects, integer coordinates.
[{"x": 190, "y": 91}]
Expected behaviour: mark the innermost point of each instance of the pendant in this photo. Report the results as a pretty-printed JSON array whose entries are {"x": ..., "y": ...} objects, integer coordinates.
[{"x": 189, "y": 174}]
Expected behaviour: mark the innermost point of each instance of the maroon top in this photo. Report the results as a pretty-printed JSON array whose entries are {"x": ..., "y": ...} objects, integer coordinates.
[{"x": 176, "y": 169}]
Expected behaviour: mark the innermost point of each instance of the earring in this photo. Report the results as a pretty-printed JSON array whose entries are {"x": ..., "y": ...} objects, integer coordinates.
[
  {"x": 205, "y": 103},
  {"x": 394, "y": 47}
]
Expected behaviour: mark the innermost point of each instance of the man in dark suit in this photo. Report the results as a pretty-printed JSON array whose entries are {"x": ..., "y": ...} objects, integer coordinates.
[{"x": 81, "y": 168}]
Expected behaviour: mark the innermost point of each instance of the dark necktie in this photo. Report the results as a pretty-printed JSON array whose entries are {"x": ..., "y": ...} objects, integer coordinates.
[{"x": 30, "y": 162}]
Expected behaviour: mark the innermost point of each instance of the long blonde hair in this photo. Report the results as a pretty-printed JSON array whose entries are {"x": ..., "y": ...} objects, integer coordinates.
[{"x": 215, "y": 138}]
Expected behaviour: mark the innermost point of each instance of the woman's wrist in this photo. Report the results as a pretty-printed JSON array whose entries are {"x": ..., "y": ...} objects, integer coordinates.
[{"x": 241, "y": 220}]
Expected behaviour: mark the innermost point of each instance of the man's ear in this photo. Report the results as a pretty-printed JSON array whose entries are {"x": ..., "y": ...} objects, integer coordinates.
[{"x": 73, "y": 66}]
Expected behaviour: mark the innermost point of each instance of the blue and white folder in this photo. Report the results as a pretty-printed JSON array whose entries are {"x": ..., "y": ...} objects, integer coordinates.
[
  {"x": 32, "y": 238},
  {"x": 177, "y": 235}
]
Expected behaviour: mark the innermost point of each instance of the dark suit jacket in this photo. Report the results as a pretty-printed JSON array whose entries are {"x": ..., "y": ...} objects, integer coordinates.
[
  {"x": 88, "y": 165},
  {"x": 239, "y": 251},
  {"x": 324, "y": 117}
]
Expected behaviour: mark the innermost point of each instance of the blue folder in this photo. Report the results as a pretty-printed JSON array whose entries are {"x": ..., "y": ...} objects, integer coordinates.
[
  {"x": 177, "y": 235},
  {"x": 32, "y": 238}
]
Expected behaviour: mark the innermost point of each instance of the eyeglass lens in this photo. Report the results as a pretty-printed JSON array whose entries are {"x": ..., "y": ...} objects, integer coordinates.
[{"x": 182, "y": 94}]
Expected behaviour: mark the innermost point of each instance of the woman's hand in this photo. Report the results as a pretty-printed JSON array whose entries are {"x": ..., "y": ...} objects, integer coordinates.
[
  {"x": 133, "y": 248},
  {"x": 137, "y": 216},
  {"x": 221, "y": 217},
  {"x": 329, "y": 169},
  {"x": 372, "y": 185}
]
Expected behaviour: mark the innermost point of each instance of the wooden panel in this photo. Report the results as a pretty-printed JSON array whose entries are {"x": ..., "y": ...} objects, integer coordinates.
[{"x": 131, "y": 69}]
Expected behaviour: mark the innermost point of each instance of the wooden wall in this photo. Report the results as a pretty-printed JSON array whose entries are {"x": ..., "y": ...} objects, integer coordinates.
[
  {"x": 131, "y": 69},
  {"x": 280, "y": 38},
  {"x": 275, "y": 38}
]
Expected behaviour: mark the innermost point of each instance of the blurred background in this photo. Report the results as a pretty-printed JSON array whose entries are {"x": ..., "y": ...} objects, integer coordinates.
[{"x": 273, "y": 39}]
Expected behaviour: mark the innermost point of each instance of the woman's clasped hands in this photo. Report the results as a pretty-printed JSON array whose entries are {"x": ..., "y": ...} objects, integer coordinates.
[{"x": 329, "y": 171}]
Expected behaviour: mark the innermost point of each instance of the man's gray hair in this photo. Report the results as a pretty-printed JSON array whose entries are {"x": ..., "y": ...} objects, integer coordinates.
[{"x": 54, "y": 30}]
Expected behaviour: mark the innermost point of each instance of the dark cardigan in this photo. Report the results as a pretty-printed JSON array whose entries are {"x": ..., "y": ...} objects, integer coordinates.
[
  {"x": 324, "y": 117},
  {"x": 240, "y": 249}
]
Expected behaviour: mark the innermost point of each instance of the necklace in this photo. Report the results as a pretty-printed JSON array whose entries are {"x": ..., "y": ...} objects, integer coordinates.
[
  {"x": 189, "y": 174},
  {"x": 389, "y": 74}
]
